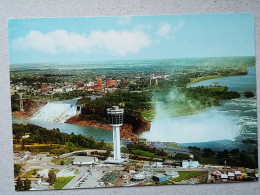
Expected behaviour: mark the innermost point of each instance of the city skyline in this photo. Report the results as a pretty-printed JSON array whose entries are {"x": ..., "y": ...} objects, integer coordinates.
[{"x": 43, "y": 40}]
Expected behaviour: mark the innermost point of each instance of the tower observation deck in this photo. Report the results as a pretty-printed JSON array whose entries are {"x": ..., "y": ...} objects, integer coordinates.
[{"x": 115, "y": 117}]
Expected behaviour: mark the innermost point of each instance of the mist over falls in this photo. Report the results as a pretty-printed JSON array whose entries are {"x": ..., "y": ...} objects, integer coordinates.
[
  {"x": 174, "y": 103},
  {"x": 57, "y": 111},
  {"x": 206, "y": 126},
  {"x": 232, "y": 120}
]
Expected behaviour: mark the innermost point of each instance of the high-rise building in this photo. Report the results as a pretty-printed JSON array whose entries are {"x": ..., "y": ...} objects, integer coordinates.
[{"x": 99, "y": 83}]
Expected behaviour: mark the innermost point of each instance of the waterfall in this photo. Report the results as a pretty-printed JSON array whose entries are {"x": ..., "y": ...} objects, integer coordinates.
[{"x": 57, "y": 111}]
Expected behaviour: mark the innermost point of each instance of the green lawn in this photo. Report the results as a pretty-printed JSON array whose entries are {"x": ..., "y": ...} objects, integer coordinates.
[
  {"x": 62, "y": 181},
  {"x": 173, "y": 111},
  {"x": 148, "y": 115},
  {"x": 66, "y": 161},
  {"x": 110, "y": 177},
  {"x": 199, "y": 79},
  {"x": 184, "y": 175},
  {"x": 77, "y": 171},
  {"x": 31, "y": 173},
  {"x": 144, "y": 153},
  {"x": 166, "y": 182}
]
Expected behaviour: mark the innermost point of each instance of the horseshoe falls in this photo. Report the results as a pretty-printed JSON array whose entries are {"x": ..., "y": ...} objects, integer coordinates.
[
  {"x": 234, "y": 119},
  {"x": 57, "y": 111}
]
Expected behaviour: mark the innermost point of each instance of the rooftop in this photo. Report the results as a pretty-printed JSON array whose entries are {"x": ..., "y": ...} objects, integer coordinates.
[{"x": 159, "y": 175}]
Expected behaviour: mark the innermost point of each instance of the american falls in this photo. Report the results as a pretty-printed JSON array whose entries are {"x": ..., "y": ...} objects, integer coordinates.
[{"x": 57, "y": 111}]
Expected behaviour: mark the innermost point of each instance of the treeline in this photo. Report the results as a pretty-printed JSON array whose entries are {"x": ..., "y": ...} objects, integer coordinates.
[
  {"x": 70, "y": 95},
  {"x": 42, "y": 135},
  {"x": 210, "y": 95},
  {"x": 132, "y": 148},
  {"x": 196, "y": 97},
  {"x": 133, "y": 104},
  {"x": 232, "y": 157}
]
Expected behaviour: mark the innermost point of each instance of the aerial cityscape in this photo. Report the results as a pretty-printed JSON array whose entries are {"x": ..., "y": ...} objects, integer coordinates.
[{"x": 133, "y": 101}]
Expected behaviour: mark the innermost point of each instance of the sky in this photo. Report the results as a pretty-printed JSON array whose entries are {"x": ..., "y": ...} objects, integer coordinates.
[{"x": 46, "y": 40}]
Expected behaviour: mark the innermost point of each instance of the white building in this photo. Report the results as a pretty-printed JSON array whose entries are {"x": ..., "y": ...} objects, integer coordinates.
[
  {"x": 84, "y": 160},
  {"x": 90, "y": 84},
  {"x": 231, "y": 175},
  {"x": 68, "y": 89},
  {"x": 139, "y": 176},
  {"x": 58, "y": 90},
  {"x": 191, "y": 164},
  {"x": 224, "y": 177},
  {"x": 25, "y": 136},
  {"x": 172, "y": 174}
]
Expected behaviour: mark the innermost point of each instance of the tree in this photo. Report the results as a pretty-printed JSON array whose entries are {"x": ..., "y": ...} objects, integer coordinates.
[
  {"x": 208, "y": 152},
  {"x": 249, "y": 94},
  {"x": 62, "y": 162},
  {"x": 17, "y": 169},
  {"x": 19, "y": 184},
  {"x": 107, "y": 154},
  {"x": 27, "y": 184},
  {"x": 52, "y": 177}
]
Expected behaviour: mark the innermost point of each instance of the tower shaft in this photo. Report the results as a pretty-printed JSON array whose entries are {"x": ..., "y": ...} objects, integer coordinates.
[
  {"x": 116, "y": 143},
  {"x": 21, "y": 102}
]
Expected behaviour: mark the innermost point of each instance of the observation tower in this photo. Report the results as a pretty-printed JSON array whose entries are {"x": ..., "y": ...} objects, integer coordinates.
[
  {"x": 115, "y": 117},
  {"x": 21, "y": 101}
]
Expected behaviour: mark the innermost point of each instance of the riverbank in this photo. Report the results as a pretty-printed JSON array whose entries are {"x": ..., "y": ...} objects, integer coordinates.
[
  {"x": 237, "y": 116},
  {"x": 126, "y": 130},
  {"x": 21, "y": 114},
  {"x": 149, "y": 115},
  {"x": 204, "y": 78},
  {"x": 30, "y": 107}
]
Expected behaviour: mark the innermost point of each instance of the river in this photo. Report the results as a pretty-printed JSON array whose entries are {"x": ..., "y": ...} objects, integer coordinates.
[
  {"x": 97, "y": 134},
  {"x": 232, "y": 121}
]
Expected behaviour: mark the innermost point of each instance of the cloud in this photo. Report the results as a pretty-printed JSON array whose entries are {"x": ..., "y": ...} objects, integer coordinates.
[
  {"x": 168, "y": 31},
  {"x": 124, "y": 20},
  {"x": 116, "y": 42}
]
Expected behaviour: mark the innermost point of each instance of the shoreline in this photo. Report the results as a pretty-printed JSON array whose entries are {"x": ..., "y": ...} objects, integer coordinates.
[
  {"x": 126, "y": 130},
  {"x": 200, "y": 79},
  {"x": 22, "y": 114},
  {"x": 180, "y": 114},
  {"x": 205, "y": 78}
]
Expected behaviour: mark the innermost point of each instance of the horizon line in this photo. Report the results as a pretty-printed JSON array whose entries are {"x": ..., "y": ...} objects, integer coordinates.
[{"x": 126, "y": 60}]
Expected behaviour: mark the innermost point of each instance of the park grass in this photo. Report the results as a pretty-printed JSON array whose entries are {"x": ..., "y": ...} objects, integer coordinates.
[
  {"x": 172, "y": 111},
  {"x": 199, "y": 79},
  {"x": 77, "y": 171},
  {"x": 144, "y": 153},
  {"x": 52, "y": 149},
  {"x": 66, "y": 161},
  {"x": 110, "y": 177},
  {"x": 184, "y": 175},
  {"x": 62, "y": 181},
  {"x": 149, "y": 115},
  {"x": 166, "y": 182},
  {"x": 31, "y": 173},
  {"x": 151, "y": 184}
]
